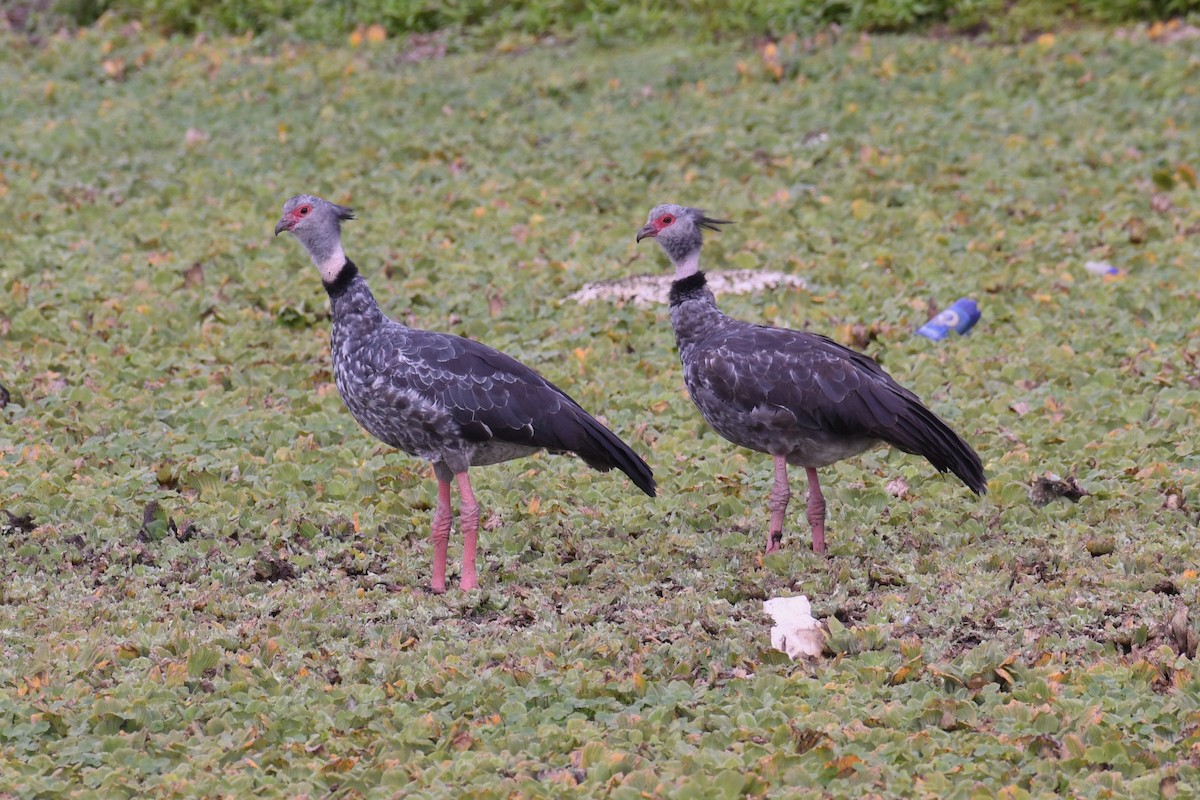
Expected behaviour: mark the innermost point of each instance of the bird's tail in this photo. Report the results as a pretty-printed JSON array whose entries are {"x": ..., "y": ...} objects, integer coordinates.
[
  {"x": 921, "y": 432},
  {"x": 602, "y": 449}
]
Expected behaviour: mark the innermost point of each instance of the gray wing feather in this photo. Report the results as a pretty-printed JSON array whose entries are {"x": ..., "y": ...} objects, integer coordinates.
[
  {"x": 824, "y": 387},
  {"x": 491, "y": 395}
]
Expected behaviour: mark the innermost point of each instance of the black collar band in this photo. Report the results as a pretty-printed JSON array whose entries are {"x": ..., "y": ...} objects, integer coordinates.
[
  {"x": 684, "y": 287},
  {"x": 342, "y": 282}
]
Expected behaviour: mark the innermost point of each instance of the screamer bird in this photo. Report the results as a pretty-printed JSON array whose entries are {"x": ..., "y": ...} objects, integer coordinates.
[
  {"x": 449, "y": 400},
  {"x": 801, "y": 398}
]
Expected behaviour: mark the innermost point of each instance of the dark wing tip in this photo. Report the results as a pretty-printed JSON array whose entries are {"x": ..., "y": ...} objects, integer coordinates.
[
  {"x": 641, "y": 475},
  {"x": 948, "y": 452},
  {"x": 602, "y": 449},
  {"x": 608, "y": 451}
]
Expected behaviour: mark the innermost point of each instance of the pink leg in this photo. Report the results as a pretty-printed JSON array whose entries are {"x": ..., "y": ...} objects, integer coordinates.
[
  {"x": 440, "y": 537},
  {"x": 781, "y": 493},
  {"x": 468, "y": 511},
  {"x": 816, "y": 510}
]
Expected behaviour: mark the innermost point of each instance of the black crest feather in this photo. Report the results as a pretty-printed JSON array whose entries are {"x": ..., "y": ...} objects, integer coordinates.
[
  {"x": 710, "y": 223},
  {"x": 343, "y": 212}
]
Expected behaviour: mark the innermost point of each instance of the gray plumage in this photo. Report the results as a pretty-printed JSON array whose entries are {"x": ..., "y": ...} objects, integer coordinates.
[
  {"x": 451, "y": 401},
  {"x": 455, "y": 402},
  {"x": 800, "y": 397}
]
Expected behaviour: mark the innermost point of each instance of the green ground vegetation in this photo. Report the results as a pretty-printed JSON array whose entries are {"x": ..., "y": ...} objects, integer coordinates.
[
  {"x": 212, "y": 580},
  {"x": 602, "y": 20}
]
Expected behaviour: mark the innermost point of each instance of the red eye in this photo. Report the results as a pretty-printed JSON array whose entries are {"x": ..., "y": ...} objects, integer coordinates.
[
  {"x": 666, "y": 220},
  {"x": 303, "y": 210}
]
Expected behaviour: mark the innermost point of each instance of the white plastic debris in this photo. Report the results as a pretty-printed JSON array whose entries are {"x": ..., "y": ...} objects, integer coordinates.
[
  {"x": 1101, "y": 268},
  {"x": 814, "y": 139},
  {"x": 796, "y": 631},
  {"x": 646, "y": 290}
]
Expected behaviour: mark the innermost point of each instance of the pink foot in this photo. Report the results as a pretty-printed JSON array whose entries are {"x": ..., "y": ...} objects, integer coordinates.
[
  {"x": 469, "y": 517},
  {"x": 441, "y": 538},
  {"x": 781, "y": 493},
  {"x": 816, "y": 511}
]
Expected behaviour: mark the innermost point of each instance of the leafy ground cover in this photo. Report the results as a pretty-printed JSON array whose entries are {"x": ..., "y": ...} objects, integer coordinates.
[
  {"x": 597, "y": 20},
  {"x": 212, "y": 579}
]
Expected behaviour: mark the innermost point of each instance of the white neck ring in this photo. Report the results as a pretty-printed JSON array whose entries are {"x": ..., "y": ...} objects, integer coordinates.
[
  {"x": 688, "y": 267},
  {"x": 332, "y": 264}
]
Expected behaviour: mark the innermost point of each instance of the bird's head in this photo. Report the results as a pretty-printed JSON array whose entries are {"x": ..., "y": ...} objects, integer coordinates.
[
  {"x": 307, "y": 215},
  {"x": 677, "y": 229},
  {"x": 317, "y": 224}
]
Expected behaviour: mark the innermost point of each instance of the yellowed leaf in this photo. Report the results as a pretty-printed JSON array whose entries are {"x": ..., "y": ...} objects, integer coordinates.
[
  {"x": 114, "y": 67},
  {"x": 1186, "y": 174},
  {"x": 862, "y": 209},
  {"x": 844, "y": 766}
]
